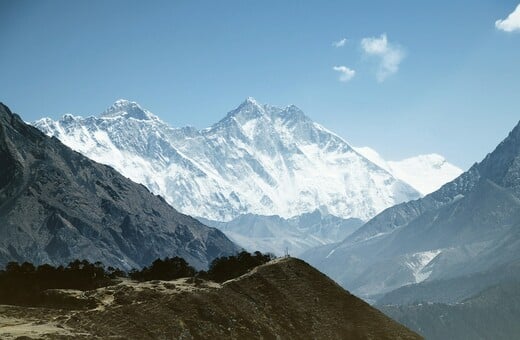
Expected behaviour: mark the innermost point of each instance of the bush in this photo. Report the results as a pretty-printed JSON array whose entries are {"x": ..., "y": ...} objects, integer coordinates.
[
  {"x": 167, "y": 269},
  {"x": 24, "y": 284},
  {"x": 28, "y": 285},
  {"x": 229, "y": 267}
]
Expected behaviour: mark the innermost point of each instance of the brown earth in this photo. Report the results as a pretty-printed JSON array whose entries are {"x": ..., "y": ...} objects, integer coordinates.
[{"x": 284, "y": 299}]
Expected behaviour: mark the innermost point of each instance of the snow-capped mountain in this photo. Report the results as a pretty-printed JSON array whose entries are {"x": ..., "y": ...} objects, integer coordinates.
[
  {"x": 425, "y": 173},
  {"x": 259, "y": 159},
  {"x": 468, "y": 230}
]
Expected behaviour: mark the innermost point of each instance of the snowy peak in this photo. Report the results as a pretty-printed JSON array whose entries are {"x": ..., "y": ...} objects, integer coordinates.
[
  {"x": 293, "y": 113},
  {"x": 123, "y": 108},
  {"x": 250, "y": 109},
  {"x": 266, "y": 124},
  {"x": 251, "y": 101},
  {"x": 425, "y": 173},
  {"x": 259, "y": 159}
]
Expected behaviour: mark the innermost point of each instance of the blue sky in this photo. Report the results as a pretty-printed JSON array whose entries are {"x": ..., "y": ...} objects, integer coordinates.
[{"x": 445, "y": 81}]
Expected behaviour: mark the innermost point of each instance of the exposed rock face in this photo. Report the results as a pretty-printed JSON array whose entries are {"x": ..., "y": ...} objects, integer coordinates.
[
  {"x": 283, "y": 299},
  {"x": 56, "y": 205}
]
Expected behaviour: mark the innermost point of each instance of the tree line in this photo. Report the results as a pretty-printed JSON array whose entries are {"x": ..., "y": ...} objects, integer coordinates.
[
  {"x": 27, "y": 284},
  {"x": 221, "y": 269}
]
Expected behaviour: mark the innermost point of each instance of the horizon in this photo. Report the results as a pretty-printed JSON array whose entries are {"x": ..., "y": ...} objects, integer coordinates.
[{"x": 432, "y": 78}]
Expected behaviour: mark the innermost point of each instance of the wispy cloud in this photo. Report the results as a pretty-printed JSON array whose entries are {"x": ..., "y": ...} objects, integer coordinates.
[
  {"x": 345, "y": 74},
  {"x": 511, "y": 23},
  {"x": 340, "y": 43},
  {"x": 390, "y": 55}
]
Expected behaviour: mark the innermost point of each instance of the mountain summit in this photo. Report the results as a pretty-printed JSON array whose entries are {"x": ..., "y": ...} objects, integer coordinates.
[
  {"x": 250, "y": 109},
  {"x": 126, "y": 109},
  {"x": 259, "y": 159}
]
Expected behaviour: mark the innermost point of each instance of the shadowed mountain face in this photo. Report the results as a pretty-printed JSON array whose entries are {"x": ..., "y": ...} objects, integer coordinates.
[
  {"x": 283, "y": 299},
  {"x": 57, "y": 205},
  {"x": 469, "y": 226}
]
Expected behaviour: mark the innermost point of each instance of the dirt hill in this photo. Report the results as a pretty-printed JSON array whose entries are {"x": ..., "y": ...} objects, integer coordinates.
[{"x": 284, "y": 299}]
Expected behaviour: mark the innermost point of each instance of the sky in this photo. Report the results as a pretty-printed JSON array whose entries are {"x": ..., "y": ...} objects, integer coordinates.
[{"x": 403, "y": 77}]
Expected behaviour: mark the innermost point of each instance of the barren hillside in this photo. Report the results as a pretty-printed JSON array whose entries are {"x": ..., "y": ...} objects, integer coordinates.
[{"x": 284, "y": 299}]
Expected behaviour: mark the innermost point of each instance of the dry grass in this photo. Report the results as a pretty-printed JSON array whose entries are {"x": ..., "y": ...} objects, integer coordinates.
[{"x": 285, "y": 299}]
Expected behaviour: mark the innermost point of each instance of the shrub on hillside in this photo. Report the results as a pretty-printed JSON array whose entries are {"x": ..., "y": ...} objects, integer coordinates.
[
  {"x": 229, "y": 267},
  {"x": 24, "y": 284},
  {"x": 167, "y": 269}
]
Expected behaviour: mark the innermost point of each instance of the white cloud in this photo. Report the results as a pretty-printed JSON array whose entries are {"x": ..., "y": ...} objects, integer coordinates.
[
  {"x": 390, "y": 55},
  {"x": 345, "y": 73},
  {"x": 511, "y": 23},
  {"x": 340, "y": 43}
]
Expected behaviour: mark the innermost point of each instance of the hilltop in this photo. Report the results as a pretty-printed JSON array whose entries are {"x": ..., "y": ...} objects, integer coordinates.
[{"x": 285, "y": 298}]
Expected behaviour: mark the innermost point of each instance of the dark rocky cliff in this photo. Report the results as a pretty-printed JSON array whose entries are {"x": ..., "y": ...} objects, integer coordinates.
[{"x": 57, "y": 205}]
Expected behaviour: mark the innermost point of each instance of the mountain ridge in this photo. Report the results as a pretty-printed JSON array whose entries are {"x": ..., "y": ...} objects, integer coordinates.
[
  {"x": 277, "y": 235},
  {"x": 467, "y": 226},
  {"x": 240, "y": 164}
]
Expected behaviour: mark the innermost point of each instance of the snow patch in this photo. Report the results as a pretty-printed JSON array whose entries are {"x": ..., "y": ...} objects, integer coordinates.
[{"x": 418, "y": 261}]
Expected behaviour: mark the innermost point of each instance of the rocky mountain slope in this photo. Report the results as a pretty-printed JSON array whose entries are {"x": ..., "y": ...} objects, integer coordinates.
[
  {"x": 56, "y": 205},
  {"x": 275, "y": 234},
  {"x": 284, "y": 299},
  {"x": 468, "y": 226},
  {"x": 259, "y": 159}
]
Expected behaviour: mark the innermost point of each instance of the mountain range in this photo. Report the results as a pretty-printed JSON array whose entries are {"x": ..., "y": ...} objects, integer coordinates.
[
  {"x": 278, "y": 235},
  {"x": 56, "y": 205},
  {"x": 271, "y": 179},
  {"x": 467, "y": 232},
  {"x": 259, "y": 159}
]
